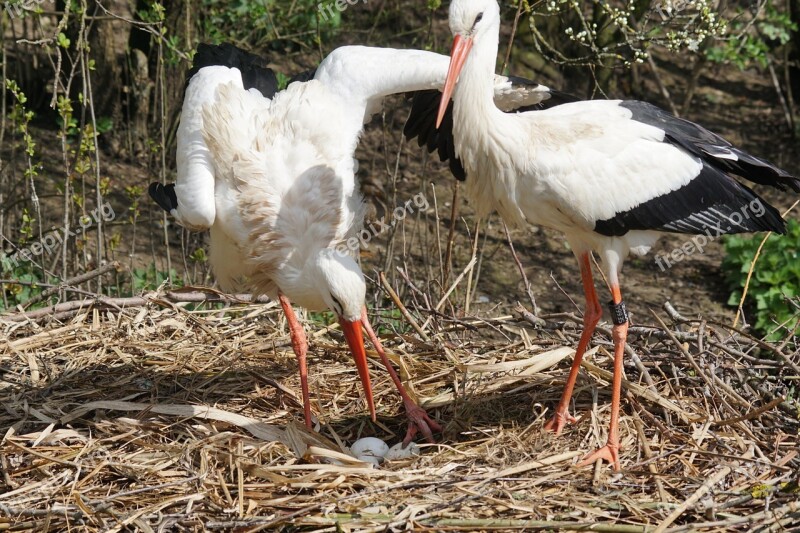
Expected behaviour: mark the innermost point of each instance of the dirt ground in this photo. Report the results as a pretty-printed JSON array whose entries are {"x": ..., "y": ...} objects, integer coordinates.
[{"x": 163, "y": 416}]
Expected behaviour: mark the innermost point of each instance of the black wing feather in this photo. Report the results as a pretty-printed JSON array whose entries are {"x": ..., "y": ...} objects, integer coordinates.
[
  {"x": 712, "y": 148},
  {"x": 304, "y": 76},
  {"x": 164, "y": 196},
  {"x": 713, "y": 202},
  {"x": 421, "y": 122},
  {"x": 255, "y": 73}
]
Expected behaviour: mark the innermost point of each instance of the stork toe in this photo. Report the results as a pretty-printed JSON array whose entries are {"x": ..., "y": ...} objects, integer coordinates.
[
  {"x": 420, "y": 421},
  {"x": 608, "y": 453},
  {"x": 559, "y": 420}
]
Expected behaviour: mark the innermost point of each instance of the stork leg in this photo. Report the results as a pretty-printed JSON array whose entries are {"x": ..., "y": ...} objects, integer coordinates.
[
  {"x": 418, "y": 419},
  {"x": 610, "y": 452},
  {"x": 300, "y": 347},
  {"x": 591, "y": 316}
]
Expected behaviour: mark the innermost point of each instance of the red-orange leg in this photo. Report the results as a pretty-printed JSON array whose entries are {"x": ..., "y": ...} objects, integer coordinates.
[
  {"x": 590, "y": 318},
  {"x": 610, "y": 452},
  {"x": 300, "y": 347},
  {"x": 418, "y": 419}
]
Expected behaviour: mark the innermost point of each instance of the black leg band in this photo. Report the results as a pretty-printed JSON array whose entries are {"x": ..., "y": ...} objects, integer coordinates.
[{"x": 619, "y": 314}]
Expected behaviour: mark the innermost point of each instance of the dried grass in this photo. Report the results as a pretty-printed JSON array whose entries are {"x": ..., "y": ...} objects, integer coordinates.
[{"x": 158, "y": 418}]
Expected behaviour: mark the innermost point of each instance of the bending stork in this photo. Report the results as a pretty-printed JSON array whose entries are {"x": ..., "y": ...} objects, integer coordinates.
[{"x": 272, "y": 175}]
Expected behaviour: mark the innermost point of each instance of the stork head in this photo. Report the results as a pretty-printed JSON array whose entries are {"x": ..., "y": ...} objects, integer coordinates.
[
  {"x": 342, "y": 286},
  {"x": 471, "y": 21}
]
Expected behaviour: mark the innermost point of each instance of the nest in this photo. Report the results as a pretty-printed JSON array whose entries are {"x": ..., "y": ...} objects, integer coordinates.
[{"x": 157, "y": 417}]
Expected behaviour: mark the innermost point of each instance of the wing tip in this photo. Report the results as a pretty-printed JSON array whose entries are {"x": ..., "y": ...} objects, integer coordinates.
[{"x": 164, "y": 196}]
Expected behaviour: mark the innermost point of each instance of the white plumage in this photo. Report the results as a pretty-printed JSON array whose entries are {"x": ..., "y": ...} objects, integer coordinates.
[
  {"x": 273, "y": 177},
  {"x": 610, "y": 175}
]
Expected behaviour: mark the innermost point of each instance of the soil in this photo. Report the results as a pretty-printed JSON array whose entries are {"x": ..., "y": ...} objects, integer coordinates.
[{"x": 740, "y": 105}]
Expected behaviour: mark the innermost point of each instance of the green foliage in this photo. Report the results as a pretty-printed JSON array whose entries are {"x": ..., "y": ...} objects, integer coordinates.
[
  {"x": 268, "y": 23},
  {"x": 26, "y": 229},
  {"x": 392, "y": 322},
  {"x": 775, "y": 281},
  {"x": 28, "y": 281},
  {"x": 199, "y": 256},
  {"x": 150, "y": 278},
  {"x": 754, "y": 39},
  {"x": 28, "y": 277},
  {"x": 283, "y": 80},
  {"x": 21, "y": 117},
  {"x": 134, "y": 194}
]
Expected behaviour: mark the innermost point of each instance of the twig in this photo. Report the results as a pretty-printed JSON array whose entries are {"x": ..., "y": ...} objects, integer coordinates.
[
  {"x": 710, "y": 377},
  {"x": 453, "y": 286},
  {"x": 511, "y": 37},
  {"x": 661, "y": 86},
  {"x": 777, "y": 84},
  {"x": 648, "y": 454},
  {"x": 751, "y": 415},
  {"x": 673, "y": 313},
  {"x": 534, "y": 307},
  {"x": 694, "y": 498},
  {"x": 399, "y": 303},
  {"x": 468, "y": 298},
  {"x": 543, "y": 525},
  {"x": 77, "y": 280},
  {"x": 448, "y": 257}
]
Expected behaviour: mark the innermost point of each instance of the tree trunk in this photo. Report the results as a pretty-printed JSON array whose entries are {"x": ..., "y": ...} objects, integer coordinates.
[
  {"x": 108, "y": 41},
  {"x": 794, "y": 54}
]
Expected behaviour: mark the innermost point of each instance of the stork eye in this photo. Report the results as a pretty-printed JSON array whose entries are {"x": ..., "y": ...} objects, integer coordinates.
[{"x": 477, "y": 19}]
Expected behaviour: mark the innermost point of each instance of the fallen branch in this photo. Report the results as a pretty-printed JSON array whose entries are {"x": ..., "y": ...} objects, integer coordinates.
[{"x": 77, "y": 280}]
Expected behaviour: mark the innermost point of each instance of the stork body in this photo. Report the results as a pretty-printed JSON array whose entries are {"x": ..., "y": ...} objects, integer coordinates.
[
  {"x": 610, "y": 175},
  {"x": 273, "y": 176}
]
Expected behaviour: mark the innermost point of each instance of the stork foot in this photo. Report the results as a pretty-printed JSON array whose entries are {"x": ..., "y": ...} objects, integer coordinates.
[
  {"x": 559, "y": 420},
  {"x": 419, "y": 421},
  {"x": 608, "y": 453}
]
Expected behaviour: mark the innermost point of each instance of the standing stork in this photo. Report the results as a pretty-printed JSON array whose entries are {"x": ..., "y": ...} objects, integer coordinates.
[
  {"x": 272, "y": 175},
  {"x": 609, "y": 174}
]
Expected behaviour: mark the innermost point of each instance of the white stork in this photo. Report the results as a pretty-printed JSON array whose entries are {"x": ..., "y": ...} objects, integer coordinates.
[
  {"x": 609, "y": 174},
  {"x": 272, "y": 175}
]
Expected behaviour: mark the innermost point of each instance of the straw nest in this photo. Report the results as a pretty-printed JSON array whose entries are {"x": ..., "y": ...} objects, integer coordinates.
[{"x": 151, "y": 415}]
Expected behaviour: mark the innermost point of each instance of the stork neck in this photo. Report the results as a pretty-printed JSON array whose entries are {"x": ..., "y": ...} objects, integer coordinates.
[
  {"x": 473, "y": 98},
  {"x": 368, "y": 73}
]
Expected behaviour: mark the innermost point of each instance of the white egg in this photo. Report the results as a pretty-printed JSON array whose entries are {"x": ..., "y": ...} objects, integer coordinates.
[
  {"x": 374, "y": 461},
  {"x": 369, "y": 449},
  {"x": 397, "y": 452}
]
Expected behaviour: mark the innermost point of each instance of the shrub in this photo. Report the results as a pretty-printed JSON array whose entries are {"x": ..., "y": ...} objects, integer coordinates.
[{"x": 774, "y": 291}]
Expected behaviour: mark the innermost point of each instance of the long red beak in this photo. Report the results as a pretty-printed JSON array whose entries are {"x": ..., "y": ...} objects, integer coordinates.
[
  {"x": 458, "y": 55},
  {"x": 352, "y": 332}
]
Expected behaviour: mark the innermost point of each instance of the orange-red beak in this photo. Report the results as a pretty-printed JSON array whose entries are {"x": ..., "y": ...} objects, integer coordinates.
[
  {"x": 352, "y": 332},
  {"x": 458, "y": 56}
]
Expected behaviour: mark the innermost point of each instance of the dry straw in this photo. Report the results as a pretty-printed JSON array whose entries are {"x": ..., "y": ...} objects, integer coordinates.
[{"x": 147, "y": 416}]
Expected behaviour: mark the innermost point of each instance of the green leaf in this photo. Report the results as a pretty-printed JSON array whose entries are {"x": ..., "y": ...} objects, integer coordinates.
[{"x": 63, "y": 40}]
